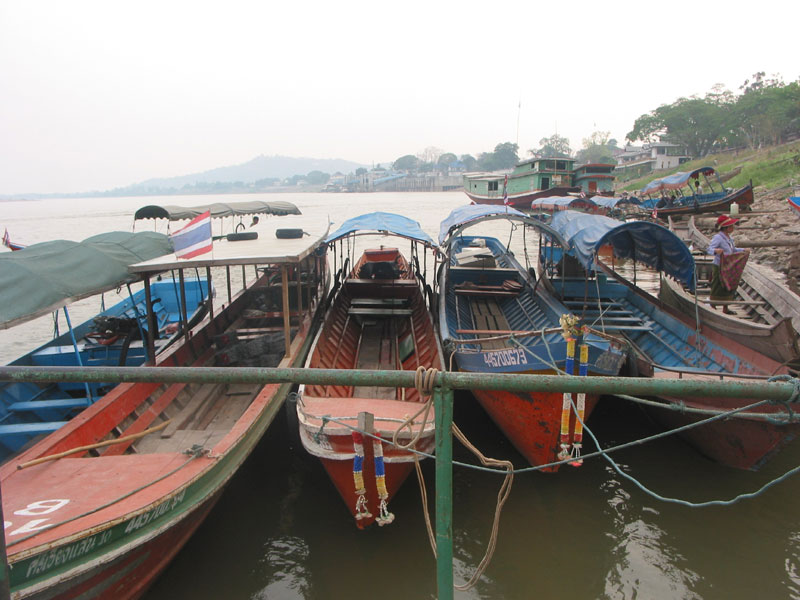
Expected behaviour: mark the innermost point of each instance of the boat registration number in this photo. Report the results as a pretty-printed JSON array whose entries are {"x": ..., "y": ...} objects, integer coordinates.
[{"x": 505, "y": 358}]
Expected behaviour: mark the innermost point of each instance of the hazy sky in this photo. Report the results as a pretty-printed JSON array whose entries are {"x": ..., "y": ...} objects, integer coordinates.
[{"x": 96, "y": 95}]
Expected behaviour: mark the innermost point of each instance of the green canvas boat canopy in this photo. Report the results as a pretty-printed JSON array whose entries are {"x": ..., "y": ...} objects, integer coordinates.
[
  {"x": 217, "y": 210},
  {"x": 43, "y": 277}
]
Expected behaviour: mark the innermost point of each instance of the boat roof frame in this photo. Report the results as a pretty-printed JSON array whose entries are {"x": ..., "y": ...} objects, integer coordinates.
[
  {"x": 525, "y": 219},
  {"x": 248, "y": 252}
]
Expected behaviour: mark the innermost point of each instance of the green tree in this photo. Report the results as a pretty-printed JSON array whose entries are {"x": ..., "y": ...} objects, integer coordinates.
[
  {"x": 553, "y": 147},
  {"x": 504, "y": 157},
  {"x": 408, "y": 162},
  {"x": 317, "y": 178},
  {"x": 447, "y": 159},
  {"x": 767, "y": 112},
  {"x": 597, "y": 149},
  {"x": 470, "y": 162},
  {"x": 695, "y": 123}
]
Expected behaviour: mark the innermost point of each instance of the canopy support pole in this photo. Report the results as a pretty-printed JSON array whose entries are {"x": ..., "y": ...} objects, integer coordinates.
[
  {"x": 285, "y": 301},
  {"x": 182, "y": 300},
  {"x": 150, "y": 340},
  {"x": 77, "y": 352},
  {"x": 210, "y": 293}
]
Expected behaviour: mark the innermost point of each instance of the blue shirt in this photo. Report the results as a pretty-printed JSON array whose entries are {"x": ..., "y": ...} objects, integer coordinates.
[{"x": 724, "y": 241}]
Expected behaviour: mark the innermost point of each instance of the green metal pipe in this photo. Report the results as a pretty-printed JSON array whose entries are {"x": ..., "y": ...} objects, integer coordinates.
[
  {"x": 777, "y": 390},
  {"x": 443, "y": 404}
]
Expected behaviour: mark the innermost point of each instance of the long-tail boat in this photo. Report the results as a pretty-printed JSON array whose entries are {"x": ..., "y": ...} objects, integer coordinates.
[
  {"x": 378, "y": 319},
  {"x": 100, "y": 507},
  {"x": 765, "y": 312},
  {"x": 664, "y": 343},
  {"x": 689, "y": 195},
  {"x": 7, "y": 243},
  {"x": 495, "y": 318},
  {"x": 48, "y": 277},
  {"x": 794, "y": 204}
]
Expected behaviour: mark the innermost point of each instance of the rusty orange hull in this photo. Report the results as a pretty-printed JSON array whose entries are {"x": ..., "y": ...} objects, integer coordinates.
[{"x": 532, "y": 422}]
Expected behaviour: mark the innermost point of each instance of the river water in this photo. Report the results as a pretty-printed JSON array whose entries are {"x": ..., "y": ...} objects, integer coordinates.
[{"x": 281, "y": 531}]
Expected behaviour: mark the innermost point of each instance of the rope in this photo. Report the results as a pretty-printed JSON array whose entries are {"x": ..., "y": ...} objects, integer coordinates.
[
  {"x": 552, "y": 364},
  {"x": 739, "y": 413},
  {"x": 506, "y": 336},
  {"x": 502, "y": 496},
  {"x": 121, "y": 440},
  {"x": 687, "y": 503},
  {"x": 605, "y": 453},
  {"x": 424, "y": 382}
]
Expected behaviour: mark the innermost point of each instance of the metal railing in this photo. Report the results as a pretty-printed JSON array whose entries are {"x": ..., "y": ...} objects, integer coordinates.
[{"x": 443, "y": 385}]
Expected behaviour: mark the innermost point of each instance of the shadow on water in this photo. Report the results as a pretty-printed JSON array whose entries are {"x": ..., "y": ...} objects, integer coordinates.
[{"x": 281, "y": 531}]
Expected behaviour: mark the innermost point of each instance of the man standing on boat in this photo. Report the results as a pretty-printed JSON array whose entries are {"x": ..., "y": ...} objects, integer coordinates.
[{"x": 729, "y": 262}]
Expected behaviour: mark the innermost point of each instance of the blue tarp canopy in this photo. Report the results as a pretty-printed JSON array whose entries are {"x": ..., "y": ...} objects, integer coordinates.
[
  {"x": 645, "y": 242},
  {"x": 675, "y": 181},
  {"x": 43, "y": 277},
  {"x": 382, "y": 222},
  {"x": 474, "y": 213}
]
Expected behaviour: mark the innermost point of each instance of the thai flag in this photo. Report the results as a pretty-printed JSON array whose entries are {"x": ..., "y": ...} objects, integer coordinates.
[
  {"x": 194, "y": 239},
  {"x": 505, "y": 190}
]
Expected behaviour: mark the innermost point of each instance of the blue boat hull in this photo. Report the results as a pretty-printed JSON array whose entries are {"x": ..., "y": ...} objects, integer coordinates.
[{"x": 473, "y": 306}]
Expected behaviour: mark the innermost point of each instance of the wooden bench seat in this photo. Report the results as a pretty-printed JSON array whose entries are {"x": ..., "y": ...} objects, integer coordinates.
[
  {"x": 383, "y": 302},
  {"x": 380, "y": 288},
  {"x": 380, "y": 312}
]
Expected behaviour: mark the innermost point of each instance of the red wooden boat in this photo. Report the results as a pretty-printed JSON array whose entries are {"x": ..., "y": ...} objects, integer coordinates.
[
  {"x": 103, "y": 523},
  {"x": 378, "y": 320}
]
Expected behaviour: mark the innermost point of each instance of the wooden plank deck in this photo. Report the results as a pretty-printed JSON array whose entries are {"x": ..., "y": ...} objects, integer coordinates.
[
  {"x": 488, "y": 317},
  {"x": 376, "y": 353}
]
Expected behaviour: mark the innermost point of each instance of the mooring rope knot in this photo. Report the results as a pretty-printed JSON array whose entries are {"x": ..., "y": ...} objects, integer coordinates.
[
  {"x": 424, "y": 380},
  {"x": 196, "y": 451},
  {"x": 324, "y": 419},
  {"x": 788, "y": 379}
]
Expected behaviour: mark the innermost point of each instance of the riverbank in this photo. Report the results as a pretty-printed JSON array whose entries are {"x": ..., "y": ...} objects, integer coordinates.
[{"x": 771, "y": 219}]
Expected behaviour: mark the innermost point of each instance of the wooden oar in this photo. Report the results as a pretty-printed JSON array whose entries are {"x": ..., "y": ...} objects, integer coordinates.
[{"x": 126, "y": 438}]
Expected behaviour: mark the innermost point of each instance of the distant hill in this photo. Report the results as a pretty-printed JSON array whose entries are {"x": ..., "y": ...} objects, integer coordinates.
[
  {"x": 261, "y": 167},
  {"x": 235, "y": 179}
]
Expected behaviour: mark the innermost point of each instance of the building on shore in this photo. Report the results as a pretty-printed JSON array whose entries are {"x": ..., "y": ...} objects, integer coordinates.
[{"x": 636, "y": 161}]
